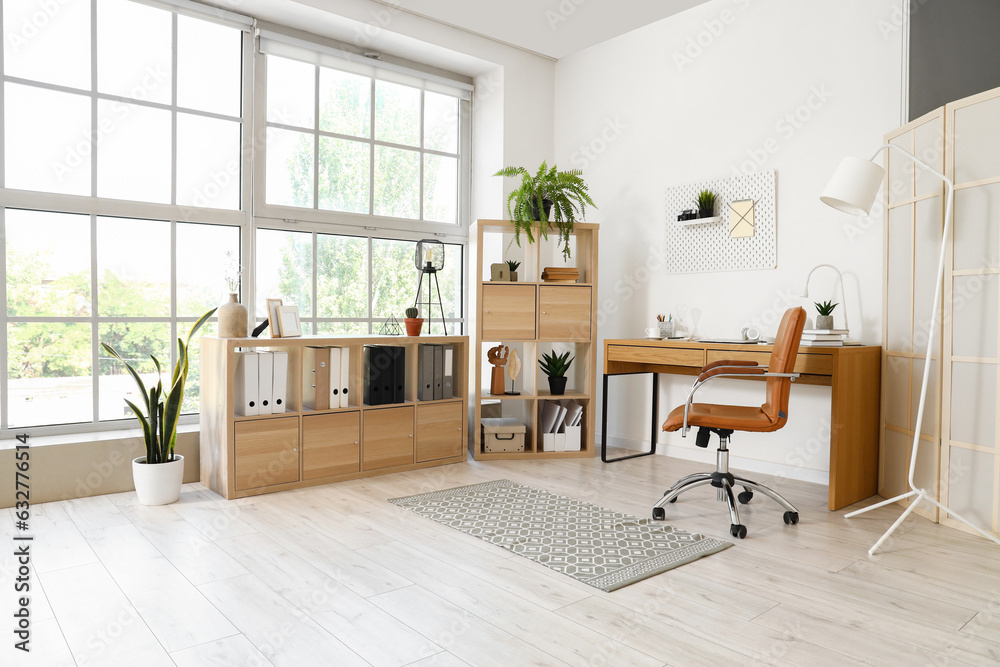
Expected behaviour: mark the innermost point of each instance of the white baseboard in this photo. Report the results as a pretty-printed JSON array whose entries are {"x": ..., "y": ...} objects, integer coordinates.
[{"x": 707, "y": 456}]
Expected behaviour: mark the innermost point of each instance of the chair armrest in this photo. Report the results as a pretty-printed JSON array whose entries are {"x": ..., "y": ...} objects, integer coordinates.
[
  {"x": 742, "y": 369},
  {"x": 715, "y": 370},
  {"x": 729, "y": 362}
]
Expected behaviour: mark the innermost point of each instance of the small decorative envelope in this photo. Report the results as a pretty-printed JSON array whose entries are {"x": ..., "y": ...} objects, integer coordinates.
[{"x": 741, "y": 222}]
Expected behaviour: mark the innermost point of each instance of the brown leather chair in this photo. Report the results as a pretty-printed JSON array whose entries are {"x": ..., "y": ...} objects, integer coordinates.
[{"x": 724, "y": 419}]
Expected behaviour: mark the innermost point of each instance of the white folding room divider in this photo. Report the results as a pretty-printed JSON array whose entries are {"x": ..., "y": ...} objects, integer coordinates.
[{"x": 970, "y": 454}]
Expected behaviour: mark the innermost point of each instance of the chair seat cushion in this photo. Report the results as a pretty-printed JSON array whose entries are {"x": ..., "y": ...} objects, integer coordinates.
[{"x": 736, "y": 417}]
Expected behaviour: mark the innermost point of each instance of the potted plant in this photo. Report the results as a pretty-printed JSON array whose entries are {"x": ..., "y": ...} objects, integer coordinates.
[
  {"x": 512, "y": 265},
  {"x": 706, "y": 204},
  {"x": 412, "y": 322},
  {"x": 555, "y": 367},
  {"x": 159, "y": 474},
  {"x": 825, "y": 318},
  {"x": 561, "y": 194}
]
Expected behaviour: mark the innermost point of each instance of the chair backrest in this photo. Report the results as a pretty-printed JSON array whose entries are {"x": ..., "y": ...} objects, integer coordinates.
[{"x": 786, "y": 348}]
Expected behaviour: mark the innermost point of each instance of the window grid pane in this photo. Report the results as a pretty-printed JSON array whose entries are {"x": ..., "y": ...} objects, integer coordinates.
[{"x": 415, "y": 144}]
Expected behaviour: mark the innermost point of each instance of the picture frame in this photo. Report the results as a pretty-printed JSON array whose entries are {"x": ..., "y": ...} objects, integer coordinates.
[
  {"x": 288, "y": 321},
  {"x": 272, "y": 317}
]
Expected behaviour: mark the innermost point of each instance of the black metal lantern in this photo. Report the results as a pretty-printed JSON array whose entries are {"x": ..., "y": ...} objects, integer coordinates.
[{"x": 429, "y": 259}]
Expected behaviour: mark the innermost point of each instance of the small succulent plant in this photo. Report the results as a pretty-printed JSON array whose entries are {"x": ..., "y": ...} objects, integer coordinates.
[
  {"x": 412, "y": 313},
  {"x": 555, "y": 365},
  {"x": 512, "y": 265},
  {"x": 826, "y": 307}
]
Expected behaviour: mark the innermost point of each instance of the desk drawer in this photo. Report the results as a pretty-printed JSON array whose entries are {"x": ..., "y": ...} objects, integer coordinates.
[
  {"x": 811, "y": 364},
  {"x": 666, "y": 356}
]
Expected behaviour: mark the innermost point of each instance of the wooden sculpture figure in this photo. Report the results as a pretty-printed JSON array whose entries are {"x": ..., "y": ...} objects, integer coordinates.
[
  {"x": 498, "y": 357},
  {"x": 513, "y": 370}
]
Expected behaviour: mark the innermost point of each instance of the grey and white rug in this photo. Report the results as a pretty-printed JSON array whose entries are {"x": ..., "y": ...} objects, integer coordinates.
[{"x": 598, "y": 546}]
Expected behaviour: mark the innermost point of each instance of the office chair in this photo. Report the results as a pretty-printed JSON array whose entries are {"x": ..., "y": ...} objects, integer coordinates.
[{"x": 724, "y": 419}]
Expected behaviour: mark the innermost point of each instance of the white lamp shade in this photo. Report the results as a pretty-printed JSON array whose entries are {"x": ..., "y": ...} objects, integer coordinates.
[{"x": 854, "y": 186}]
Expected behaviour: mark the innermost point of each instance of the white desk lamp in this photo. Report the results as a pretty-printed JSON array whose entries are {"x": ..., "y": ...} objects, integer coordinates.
[
  {"x": 852, "y": 190},
  {"x": 843, "y": 292}
]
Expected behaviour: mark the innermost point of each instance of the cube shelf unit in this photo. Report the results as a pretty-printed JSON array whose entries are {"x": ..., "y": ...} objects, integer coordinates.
[
  {"x": 247, "y": 456},
  {"x": 533, "y": 317}
]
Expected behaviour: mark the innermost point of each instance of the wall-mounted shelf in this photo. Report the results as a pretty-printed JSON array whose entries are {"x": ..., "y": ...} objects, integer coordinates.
[{"x": 699, "y": 221}]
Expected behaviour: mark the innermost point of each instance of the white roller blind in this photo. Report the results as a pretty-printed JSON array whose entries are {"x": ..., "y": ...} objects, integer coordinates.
[
  {"x": 200, "y": 11},
  {"x": 285, "y": 46}
]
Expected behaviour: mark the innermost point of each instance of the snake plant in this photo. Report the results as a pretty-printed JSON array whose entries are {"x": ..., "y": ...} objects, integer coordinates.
[{"x": 161, "y": 410}]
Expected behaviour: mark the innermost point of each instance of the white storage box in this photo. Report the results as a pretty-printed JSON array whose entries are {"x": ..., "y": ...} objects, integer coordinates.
[{"x": 505, "y": 434}]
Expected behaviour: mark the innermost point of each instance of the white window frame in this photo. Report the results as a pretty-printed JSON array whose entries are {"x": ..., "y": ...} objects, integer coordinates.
[
  {"x": 310, "y": 318},
  {"x": 366, "y": 221},
  {"x": 95, "y": 207}
]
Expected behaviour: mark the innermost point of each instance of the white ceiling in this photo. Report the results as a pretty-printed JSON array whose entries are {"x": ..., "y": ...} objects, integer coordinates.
[
  {"x": 555, "y": 28},
  {"x": 552, "y": 28}
]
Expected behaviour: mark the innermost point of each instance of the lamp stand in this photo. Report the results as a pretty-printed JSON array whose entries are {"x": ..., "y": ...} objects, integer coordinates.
[{"x": 920, "y": 493}]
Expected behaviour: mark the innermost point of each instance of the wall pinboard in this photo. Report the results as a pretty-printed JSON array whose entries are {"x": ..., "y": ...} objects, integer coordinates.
[{"x": 744, "y": 238}]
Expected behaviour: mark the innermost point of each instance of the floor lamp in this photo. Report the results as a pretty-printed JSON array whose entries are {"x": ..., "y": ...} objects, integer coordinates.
[{"x": 852, "y": 190}]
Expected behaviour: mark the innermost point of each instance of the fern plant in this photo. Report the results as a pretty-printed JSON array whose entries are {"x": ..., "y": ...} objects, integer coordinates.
[
  {"x": 555, "y": 365},
  {"x": 161, "y": 410},
  {"x": 564, "y": 191},
  {"x": 825, "y": 308}
]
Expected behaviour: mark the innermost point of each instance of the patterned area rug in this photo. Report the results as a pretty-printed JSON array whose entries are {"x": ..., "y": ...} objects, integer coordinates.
[{"x": 598, "y": 546}]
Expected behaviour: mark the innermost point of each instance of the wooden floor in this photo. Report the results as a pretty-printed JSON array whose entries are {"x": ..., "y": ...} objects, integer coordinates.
[{"x": 334, "y": 576}]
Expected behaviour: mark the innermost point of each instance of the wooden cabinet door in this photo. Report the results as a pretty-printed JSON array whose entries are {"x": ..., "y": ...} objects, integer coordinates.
[
  {"x": 564, "y": 312},
  {"x": 439, "y": 431},
  {"x": 388, "y": 438},
  {"x": 508, "y": 312},
  {"x": 331, "y": 444},
  {"x": 267, "y": 452}
]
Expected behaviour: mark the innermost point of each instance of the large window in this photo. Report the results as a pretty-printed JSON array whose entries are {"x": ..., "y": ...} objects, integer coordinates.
[
  {"x": 123, "y": 187},
  {"x": 126, "y": 196},
  {"x": 352, "y": 285},
  {"x": 343, "y": 141}
]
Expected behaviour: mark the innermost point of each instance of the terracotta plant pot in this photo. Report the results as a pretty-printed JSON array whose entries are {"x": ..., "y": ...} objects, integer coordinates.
[{"x": 413, "y": 325}]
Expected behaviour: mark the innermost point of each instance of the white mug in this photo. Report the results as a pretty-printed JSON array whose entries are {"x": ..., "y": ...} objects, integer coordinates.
[
  {"x": 653, "y": 332},
  {"x": 749, "y": 333}
]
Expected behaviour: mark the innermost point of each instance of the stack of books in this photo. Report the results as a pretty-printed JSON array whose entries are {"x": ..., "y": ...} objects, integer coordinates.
[
  {"x": 560, "y": 274},
  {"x": 823, "y": 337}
]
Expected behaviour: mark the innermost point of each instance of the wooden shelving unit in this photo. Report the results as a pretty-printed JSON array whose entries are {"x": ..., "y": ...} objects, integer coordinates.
[
  {"x": 532, "y": 316},
  {"x": 247, "y": 456}
]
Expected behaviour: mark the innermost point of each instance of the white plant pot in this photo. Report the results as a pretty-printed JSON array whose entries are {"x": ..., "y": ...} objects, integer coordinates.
[{"x": 160, "y": 483}]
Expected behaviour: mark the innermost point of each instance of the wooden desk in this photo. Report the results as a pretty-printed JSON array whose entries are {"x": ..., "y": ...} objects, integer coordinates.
[{"x": 853, "y": 373}]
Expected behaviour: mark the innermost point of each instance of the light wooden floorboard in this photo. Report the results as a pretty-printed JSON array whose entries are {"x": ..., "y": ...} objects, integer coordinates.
[
  {"x": 335, "y": 575},
  {"x": 235, "y": 650}
]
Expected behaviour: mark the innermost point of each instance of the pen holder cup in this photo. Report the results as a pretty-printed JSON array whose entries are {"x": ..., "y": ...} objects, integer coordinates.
[{"x": 666, "y": 329}]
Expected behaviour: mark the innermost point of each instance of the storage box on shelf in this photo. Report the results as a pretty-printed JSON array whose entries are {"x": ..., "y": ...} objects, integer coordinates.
[
  {"x": 301, "y": 444},
  {"x": 533, "y": 316}
]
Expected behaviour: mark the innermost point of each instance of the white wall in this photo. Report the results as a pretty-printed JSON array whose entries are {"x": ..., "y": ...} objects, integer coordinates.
[{"x": 727, "y": 86}]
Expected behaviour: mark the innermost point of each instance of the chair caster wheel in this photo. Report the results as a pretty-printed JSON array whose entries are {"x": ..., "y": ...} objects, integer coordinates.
[
  {"x": 791, "y": 518},
  {"x": 736, "y": 530},
  {"x": 674, "y": 499},
  {"x": 659, "y": 514},
  {"x": 745, "y": 497}
]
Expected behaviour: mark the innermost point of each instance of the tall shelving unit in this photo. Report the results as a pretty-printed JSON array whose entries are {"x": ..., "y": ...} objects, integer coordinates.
[
  {"x": 533, "y": 317},
  {"x": 249, "y": 455}
]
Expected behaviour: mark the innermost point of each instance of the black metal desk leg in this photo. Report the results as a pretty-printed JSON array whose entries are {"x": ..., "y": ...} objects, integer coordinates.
[{"x": 604, "y": 422}]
